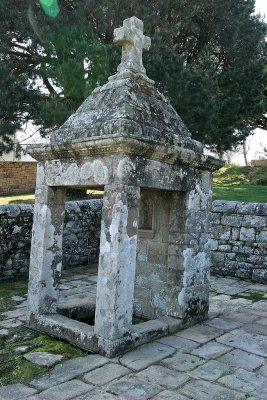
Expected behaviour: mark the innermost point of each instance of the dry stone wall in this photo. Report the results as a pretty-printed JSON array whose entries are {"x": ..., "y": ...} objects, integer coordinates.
[
  {"x": 239, "y": 240},
  {"x": 80, "y": 238}
]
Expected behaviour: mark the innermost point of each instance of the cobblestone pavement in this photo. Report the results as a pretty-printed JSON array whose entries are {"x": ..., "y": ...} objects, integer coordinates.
[{"x": 224, "y": 358}]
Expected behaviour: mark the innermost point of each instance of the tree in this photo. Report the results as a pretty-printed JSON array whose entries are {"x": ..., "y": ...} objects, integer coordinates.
[{"x": 208, "y": 57}]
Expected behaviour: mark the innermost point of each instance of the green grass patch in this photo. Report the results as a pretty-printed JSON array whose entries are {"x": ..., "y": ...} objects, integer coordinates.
[
  {"x": 18, "y": 370},
  {"x": 15, "y": 369},
  {"x": 237, "y": 175},
  {"x": 233, "y": 182},
  {"x": 243, "y": 192},
  {"x": 256, "y": 296},
  {"x": 52, "y": 345}
]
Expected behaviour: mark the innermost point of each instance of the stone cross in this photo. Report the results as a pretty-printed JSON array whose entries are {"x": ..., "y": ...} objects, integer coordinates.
[{"x": 130, "y": 36}]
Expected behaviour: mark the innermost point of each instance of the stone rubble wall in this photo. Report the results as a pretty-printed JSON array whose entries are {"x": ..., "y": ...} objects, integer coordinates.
[
  {"x": 239, "y": 240},
  {"x": 17, "y": 177},
  {"x": 80, "y": 238}
]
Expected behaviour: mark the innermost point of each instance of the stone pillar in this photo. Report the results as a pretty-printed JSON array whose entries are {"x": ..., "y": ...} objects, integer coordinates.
[
  {"x": 46, "y": 250},
  {"x": 194, "y": 296},
  {"x": 117, "y": 261}
]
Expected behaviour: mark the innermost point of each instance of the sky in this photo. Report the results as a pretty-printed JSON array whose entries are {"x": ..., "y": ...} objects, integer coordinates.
[{"x": 261, "y": 7}]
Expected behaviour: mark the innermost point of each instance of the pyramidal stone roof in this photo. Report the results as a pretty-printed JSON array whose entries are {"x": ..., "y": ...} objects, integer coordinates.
[
  {"x": 129, "y": 104},
  {"x": 127, "y": 114}
]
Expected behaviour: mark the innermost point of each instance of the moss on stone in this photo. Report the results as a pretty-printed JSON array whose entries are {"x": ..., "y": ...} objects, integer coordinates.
[
  {"x": 253, "y": 296},
  {"x": 13, "y": 367},
  {"x": 18, "y": 370},
  {"x": 51, "y": 345}
]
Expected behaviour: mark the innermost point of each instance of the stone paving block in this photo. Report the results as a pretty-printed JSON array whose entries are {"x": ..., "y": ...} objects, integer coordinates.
[
  {"x": 178, "y": 342},
  {"x": 168, "y": 395},
  {"x": 22, "y": 305},
  {"x": 233, "y": 290},
  {"x": 18, "y": 312},
  {"x": 200, "y": 333},
  {"x": 259, "y": 306},
  {"x": 10, "y": 323},
  {"x": 66, "y": 391},
  {"x": 69, "y": 370},
  {"x": 244, "y": 381},
  {"x": 211, "y": 370},
  {"x": 183, "y": 362},
  {"x": 225, "y": 281},
  {"x": 146, "y": 355},
  {"x": 43, "y": 358},
  {"x": 263, "y": 371},
  {"x": 105, "y": 374},
  {"x": 262, "y": 321},
  {"x": 256, "y": 287},
  {"x": 211, "y": 350},
  {"x": 221, "y": 323},
  {"x": 17, "y": 298},
  {"x": 256, "y": 328},
  {"x": 21, "y": 349},
  {"x": 16, "y": 392},
  {"x": 99, "y": 394},
  {"x": 252, "y": 343},
  {"x": 241, "y": 318},
  {"x": 163, "y": 376},
  {"x": 133, "y": 388},
  {"x": 242, "y": 359},
  {"x": 3, "y": 333},
  {"x": 203, "y": 390}
]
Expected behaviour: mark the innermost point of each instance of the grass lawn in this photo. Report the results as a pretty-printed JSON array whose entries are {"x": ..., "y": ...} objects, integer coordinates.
[
  {"x": 243, "y": 192},
  {"x": 233, "y": 182}
]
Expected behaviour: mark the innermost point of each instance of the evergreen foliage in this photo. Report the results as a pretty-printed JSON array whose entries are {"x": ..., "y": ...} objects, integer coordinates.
[{"x": 208, "y": 57}]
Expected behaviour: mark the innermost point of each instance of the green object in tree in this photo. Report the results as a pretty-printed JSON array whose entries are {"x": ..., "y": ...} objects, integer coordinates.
[{"x": 50, "y": 7}]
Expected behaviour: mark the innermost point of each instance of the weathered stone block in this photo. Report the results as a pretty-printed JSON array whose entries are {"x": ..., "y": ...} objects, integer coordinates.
[
  {"x": 246, "y": 208},
  {"x": 221, "y": 232},
  {"x": 217, "y": 258},
  {"x": 212, "y": 244},
  {"x": 244, "y": 270},
  {"x": 215, "y": 218},
  {"x": 251, "y": 221},
  {"x": 259, "y": 275},
  {"x": 225, "y": 248},
  {"x": 247, "y": 234},
  {"x": 232, "y": 220},
  {"x": 261, "y": 236},
  {"x": 224, "y": 206}
]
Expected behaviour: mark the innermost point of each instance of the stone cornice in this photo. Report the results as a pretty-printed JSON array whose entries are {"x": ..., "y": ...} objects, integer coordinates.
[{"x": 100, "y": 147}]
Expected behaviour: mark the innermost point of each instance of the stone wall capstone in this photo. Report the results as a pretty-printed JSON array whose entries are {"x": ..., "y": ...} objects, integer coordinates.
[
  {"x": 239, "y": 240},
  {"x": 17, "y": 177},
  {"x": 80, "y": 238}
]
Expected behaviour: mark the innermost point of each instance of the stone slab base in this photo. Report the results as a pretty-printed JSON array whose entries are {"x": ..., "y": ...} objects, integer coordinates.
[
  {"x": 77, "y": 333},
  {"x": 82, "y": 335}
]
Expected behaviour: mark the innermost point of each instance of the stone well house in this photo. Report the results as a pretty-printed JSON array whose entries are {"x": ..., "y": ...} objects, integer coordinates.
[{"x": 127, "y": 140}]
